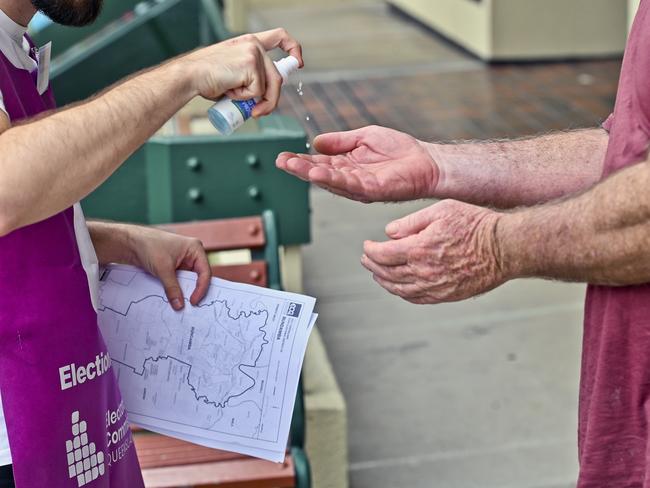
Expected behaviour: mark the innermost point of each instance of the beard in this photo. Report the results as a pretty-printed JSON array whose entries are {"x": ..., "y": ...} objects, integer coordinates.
[{"x": 76, "y": 13}]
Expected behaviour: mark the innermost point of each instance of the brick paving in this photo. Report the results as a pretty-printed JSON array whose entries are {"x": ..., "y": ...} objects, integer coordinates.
[{"x": 490, "y": 102}]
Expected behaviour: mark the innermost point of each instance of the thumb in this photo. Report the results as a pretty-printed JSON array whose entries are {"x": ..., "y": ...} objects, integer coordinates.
[
  {"x": 338, "y": 142},
  {"x": 172, "y": 288},
  {"x": 411, "y": 224}
]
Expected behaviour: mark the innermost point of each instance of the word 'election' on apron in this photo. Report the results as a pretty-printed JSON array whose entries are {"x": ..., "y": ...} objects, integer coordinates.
[{"x": 66, "y": 422}]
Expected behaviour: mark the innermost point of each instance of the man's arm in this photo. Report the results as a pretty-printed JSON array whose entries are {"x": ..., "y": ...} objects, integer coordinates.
[
  {"x": 453, "y": 250},
  {"x": 521, "y": 172},
  {"x": 379, "y": 164},
  {"x": 599, "y": 237},
  {"x": 50, "y": 163}
]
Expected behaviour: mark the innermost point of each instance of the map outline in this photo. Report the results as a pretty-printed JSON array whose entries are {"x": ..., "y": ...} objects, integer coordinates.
[{"x": 223, "y": 284}]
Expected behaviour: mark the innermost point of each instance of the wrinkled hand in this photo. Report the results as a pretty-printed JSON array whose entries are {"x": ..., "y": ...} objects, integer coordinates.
[
  {"x": 444, "y": 253},
  {"x": 241, "y": 68},
  {"x": 372, "y": 164},
  {"x": 163, "y": 253}
]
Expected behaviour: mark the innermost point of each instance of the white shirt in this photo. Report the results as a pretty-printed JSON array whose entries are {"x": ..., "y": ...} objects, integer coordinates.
[{"x": 15, "y": 47}]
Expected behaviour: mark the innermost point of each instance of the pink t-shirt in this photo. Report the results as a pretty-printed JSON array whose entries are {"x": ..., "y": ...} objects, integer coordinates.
[{"x": 614, "y": 445}]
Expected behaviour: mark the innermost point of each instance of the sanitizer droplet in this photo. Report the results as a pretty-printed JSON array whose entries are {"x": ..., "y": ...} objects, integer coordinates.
[
  {"x": 307, "y": 118},
  {"x": 307, "y": 145}
]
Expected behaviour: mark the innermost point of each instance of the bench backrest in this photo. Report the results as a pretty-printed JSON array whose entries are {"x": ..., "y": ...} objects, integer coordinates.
[{"x": 226, "y": 235}]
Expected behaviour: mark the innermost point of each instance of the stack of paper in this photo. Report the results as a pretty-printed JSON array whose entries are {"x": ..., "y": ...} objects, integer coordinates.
[{"x": 223, "y": 374}]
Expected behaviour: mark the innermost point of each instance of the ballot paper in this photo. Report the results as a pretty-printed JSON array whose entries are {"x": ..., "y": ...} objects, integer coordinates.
[{"x": 223, "y": 374}]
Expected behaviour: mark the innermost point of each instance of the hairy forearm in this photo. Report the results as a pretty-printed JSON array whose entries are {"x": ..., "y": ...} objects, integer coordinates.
[
  {"x": 113, "y": 242},
  {"x": 54, "y": 161},
  {"x": 601, "y": 236},
  {"x": 507, "y": 174}
]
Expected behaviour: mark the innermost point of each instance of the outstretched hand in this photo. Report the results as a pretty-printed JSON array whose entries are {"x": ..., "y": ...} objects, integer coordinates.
[
  {"x": 371, "y": 164},
  {"x": 444, "y": 253}
]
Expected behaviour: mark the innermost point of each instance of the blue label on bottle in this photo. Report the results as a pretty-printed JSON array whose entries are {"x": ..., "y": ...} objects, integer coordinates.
[{"x": 245, "y": 107}]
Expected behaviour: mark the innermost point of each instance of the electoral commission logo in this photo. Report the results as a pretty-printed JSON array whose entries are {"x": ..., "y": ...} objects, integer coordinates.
[
  {"x": 84, "y": 462},
  {"x": 294, "y": 309}
]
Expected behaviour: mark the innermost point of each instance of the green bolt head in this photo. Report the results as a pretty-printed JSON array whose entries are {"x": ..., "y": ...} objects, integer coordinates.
[
  {"x": 193, "y": 163},
  {"x": 254, "y": 192},
  {"x": 194, "y": 194},
  {"x": 252, "y": 160}
]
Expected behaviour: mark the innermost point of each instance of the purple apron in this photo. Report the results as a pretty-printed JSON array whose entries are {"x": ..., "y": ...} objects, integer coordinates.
[{"x": 66, "y": 422}]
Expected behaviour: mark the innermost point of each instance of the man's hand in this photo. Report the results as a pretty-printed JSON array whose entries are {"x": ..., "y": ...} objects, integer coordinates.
[
  {"x": 158, "y": 252},
  {"x": 241, "y": 68},
  {"x": 372, "y": 164},
  {"x": 163, "y": 253},
  {"x": 444, "y": 253}
]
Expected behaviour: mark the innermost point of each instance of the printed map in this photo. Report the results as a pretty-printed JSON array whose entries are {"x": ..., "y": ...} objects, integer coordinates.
[{"x": 222, "y": 374}]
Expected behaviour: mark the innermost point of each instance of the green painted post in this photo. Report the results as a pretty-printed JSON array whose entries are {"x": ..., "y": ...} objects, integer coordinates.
[
  {"x": 298, "y": 419},
  {"x": 301, "y": 466},
  {"x": 271, "y": 250},
  {"x": 132, "y": 43}
]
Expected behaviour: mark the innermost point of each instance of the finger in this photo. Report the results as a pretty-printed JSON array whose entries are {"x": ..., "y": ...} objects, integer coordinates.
[
  {"x": 423, "y": 300},
  {"x": 282, "y": 158},
  {"x": 406, "y": 291},
  {"x": 340, "y": 193},
  {"x": 411, "y": 224},
  {"x": 396, "y": 274},
  {"x": 340, "y": 183},
  {"x": 272, "y": 94},
  {"x": 281, "y": 38},
  {"x": 202, "y": 269},
  {"x": 299, "y": 167},
  {"x": 321, "y": 174},
  {"x": 338, "y": 142},
  {"x": 172, "y": 288},
  {"x": 391, "y": 253},
  {"x": 314, "y": 159},
  {"x": 333, "y": 178}
]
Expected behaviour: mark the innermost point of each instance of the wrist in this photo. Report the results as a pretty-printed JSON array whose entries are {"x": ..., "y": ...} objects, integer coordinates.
[
  {"x": 181, "y": 72},
  {"x": 131, "y": 244},
  {"x": 113, "y": 242},
  {"x": 513, "y": 250},
  {"x": 440, "y": 161}
]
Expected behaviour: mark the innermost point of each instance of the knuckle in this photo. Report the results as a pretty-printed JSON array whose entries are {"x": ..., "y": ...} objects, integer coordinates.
[
  {"x": 445, "y": 205},
  {"x": 250, "y": 55},
  {"x": 281, "y": 32}
]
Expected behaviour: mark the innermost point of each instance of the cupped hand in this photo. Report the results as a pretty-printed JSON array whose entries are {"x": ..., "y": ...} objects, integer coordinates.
[
  {"x": 241, "y": 68},
  {"x": 162, "y": 253},
  {"x": 371, "y": 164},
  {"x": 444, "y": 253}
]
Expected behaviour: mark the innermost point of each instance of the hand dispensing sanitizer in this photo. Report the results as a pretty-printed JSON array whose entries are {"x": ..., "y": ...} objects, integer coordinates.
[{"x": 228, "y": 115}]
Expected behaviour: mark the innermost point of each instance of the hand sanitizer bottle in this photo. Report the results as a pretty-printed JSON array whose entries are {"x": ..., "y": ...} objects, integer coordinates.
[{"x": 229, "y": 115}]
